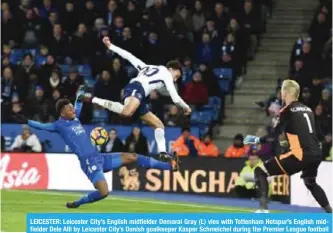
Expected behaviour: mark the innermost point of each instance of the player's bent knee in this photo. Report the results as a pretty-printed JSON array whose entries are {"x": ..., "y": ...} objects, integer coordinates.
[
  {"x": 309, "y": 182},
  {"x": 160, "y": 125},
  {"x": 129, "y": 157},
  {"x": 102, "y": 188},
  {"x": 127, "y": 112},
  {"x": 132, "y": 157},
  {"x": 104, "y": 193}
]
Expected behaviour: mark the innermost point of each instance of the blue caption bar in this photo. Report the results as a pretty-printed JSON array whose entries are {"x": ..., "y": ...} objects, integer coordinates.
[{"x": 166, "y": 223}]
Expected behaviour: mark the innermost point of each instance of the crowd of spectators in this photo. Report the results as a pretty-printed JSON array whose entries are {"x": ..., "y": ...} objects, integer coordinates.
[
  {"x": 202, "y": 35},
  {"x": 311, "y": 66}
]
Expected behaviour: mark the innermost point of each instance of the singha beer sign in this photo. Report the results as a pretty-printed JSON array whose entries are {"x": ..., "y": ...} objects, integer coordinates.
[
  {"x": 204, "y": 176},
  {"x": 198, "y": 181}
]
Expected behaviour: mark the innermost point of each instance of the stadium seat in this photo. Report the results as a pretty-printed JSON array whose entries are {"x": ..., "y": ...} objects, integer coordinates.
[
  {"x": 40, "y": 60},
  {"x": 90, "y": 82},
  {"x": 16, "y": 56},
  {"x": 131, "y": 71},
  {"x": 65, "y": 69},
  {"x": 100, "y": 116},
  {"x": 223, "y": 73},
  {"x": 33, "y": 52},
  {"x": 224, "y": 76},
  {"x": 215, "y": 101},
  {"x": 213, "y": 107},
  {"x": 202, "y": 117},
  {"x": 84, "y": 70},
  {"x": 203, "y": 129}
]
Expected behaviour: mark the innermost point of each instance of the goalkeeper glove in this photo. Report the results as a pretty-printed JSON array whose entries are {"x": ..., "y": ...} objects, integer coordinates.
[{"x": 250, "y": 139}]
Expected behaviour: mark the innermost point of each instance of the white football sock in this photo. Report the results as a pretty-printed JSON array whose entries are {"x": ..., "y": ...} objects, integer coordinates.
[
  {"x": 160, "y": 140},
  {"x": 112, "y": 106}
]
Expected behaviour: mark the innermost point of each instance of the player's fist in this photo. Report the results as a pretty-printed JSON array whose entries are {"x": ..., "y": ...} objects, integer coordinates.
[
  {"x": 106, "y": 41},
  {"x": 187, "y": 111},
  {"x": 250, "y": 139}
]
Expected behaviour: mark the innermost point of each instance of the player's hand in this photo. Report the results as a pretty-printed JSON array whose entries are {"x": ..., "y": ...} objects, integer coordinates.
[
  {"x": 107, "y": 42},
  {"x": 187, "y": 111},
  {"x": 19, "y": 118},
  {"x": 250, "y": 139}
]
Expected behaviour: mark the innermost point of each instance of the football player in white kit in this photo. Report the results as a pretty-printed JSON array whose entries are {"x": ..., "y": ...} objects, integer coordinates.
[{"x": 149, "y": 78}]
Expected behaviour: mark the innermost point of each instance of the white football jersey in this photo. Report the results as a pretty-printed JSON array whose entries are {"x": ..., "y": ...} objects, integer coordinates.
[{"x": 152, "y": 77}]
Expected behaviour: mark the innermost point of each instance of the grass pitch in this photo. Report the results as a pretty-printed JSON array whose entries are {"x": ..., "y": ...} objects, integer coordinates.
[{"x": 16, "y": 204}]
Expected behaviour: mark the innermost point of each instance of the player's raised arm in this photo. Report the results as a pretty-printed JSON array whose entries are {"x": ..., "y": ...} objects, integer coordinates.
[
  {"x": 37, "y": 125},
  {"x": 170, "y": 86},
  {"x": 274, "y": 135},
  {"x": 137, "y": 63},
  {"x": 78, "y": 103}
]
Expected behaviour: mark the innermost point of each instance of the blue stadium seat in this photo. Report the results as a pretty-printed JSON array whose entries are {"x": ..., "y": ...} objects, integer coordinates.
[
  {"x": 84, "y": 70},
  {"x": 65, "y": 69},
  {"x": 213, "y": 107},
  {"x": 203, "y": 129},
  {"x": 215, "y": 101},
  {"x": 16, "y": 56},
  {"x": 131, "y": 71},
  {"x": 33, "y": 52},
  {"x": 90, "y": 82},
  {"x": 40, "y": 60},
  {"x": 224, "y": 76},
  {"x": 202, "y": 117},
  {"x": 224, "y": 85},
  {"x": 100, "y": 116},
  {"x": 207, "y": 107},
  {"x": 223, "y": 73}
]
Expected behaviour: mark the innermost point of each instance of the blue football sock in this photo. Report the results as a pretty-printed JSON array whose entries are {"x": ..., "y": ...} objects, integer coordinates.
[
  {"x": 148, "y": 162},
  {"x": 90, "y": 198}
]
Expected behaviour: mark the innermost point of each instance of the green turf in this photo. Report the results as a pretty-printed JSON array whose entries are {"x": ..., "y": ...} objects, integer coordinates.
[{"x": 16, "y": 204}]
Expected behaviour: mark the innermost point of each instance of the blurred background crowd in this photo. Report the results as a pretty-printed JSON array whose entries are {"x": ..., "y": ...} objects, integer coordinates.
[{"x": 51, "y": 47}]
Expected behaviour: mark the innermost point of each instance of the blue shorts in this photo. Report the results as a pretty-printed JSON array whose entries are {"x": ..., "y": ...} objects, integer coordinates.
[
  {"x": 94, "y": 166},
  {"x": 135, "y": 89}
]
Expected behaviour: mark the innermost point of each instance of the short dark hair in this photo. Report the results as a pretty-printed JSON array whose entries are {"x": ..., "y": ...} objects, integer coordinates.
[
  {"x": 61, "y": 104},
  {"x": 186, "y": 128},
  {"x": 113, "y": 129},
  {"x": 28, "y": 55},
  {"x": 175, "y": 65},
  {"x": 239, "y": 137}
]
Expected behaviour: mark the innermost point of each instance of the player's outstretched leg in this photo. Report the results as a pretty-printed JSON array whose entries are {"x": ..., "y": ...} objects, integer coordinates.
[
  {"x": 318, "y": 193},
  {"x": 101, "y": 193},
  {"x": 108, "y": 104},
  {"x": 148, "y": 162},
  {"x": 116, "y": 160},
  {"x": 262, "y": 183}
]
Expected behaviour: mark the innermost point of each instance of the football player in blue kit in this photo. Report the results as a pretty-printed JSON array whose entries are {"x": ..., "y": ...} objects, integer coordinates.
[{"x": 93, "y": 163}]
